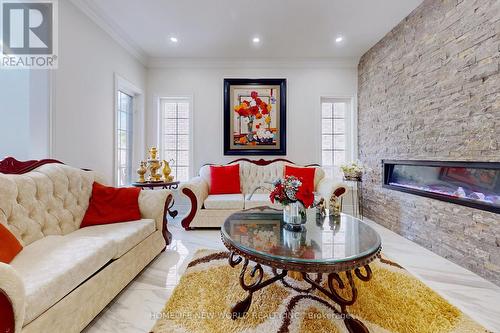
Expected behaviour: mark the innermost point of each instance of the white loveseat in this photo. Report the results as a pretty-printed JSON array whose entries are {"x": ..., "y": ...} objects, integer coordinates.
[
  {"x": 65, "y": 276},
  {"x": 208, "y": 210}
]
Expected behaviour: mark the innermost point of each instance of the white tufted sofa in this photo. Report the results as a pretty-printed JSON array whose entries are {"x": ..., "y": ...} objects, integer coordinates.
[
  {"x": 65, "y": 276},
  {"x": 208, "y": 210}
]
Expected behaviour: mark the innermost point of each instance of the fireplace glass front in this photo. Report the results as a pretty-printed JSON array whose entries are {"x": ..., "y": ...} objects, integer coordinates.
[{"x": 467, "y": 183}]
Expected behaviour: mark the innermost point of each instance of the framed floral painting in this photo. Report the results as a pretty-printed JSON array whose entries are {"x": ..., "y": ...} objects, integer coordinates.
[{"x": 254, "y": 116}]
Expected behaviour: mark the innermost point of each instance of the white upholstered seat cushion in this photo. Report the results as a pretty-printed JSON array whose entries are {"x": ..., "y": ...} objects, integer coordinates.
[
  {"x": 55, "y": 265},
  {"x": 224, "y": 201},
  {"x": 260, "y": 199},
  {"x": 123, "y": 235}
]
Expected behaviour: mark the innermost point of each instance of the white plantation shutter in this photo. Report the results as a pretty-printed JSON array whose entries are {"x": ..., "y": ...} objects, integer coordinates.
[
  {"x": 124, "y": 138},
  {"x": 176, "y": 136},
  {"x": 336, "y": 134}
]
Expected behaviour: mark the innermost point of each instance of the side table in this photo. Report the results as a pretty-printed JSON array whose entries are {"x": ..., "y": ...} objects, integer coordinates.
[
  {"x": 162, "y": 185},
  {"x": 356, "y": 199}
]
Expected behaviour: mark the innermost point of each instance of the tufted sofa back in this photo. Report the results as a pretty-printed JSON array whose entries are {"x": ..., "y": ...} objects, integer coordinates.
[
  {"x": 50, "y": 200},
  {"x": 253, "y": 175}
]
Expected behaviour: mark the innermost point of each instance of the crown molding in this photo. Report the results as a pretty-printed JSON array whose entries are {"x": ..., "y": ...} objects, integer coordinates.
[
  {"x": 92, "y": 10},
  {"x": 253, "y": 63}
]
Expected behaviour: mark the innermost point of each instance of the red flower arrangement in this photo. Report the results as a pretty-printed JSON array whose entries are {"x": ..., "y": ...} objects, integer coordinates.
[
  {"x": 290, "y": 189},
  {"x": 260, "y": 108}
]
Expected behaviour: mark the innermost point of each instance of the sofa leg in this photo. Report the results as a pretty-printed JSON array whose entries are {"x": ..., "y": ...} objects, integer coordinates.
[
  {"x": 168, "y": 204},
  {"x": 194, "y": 208},
  {"x": 7, "y": 321}
]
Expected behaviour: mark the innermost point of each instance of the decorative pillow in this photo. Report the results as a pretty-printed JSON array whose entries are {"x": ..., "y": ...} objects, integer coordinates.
[
  {"x": 225, "y": 179},
  {"x": 306, "y": 175},
  {"x": 9, "y": 245},
  {"x": 112, "y": 205}
]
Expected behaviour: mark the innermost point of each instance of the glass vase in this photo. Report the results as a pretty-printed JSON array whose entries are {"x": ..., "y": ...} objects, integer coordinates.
[
  {"x": 294, "y": 215},
  {"x": 294, "y": 240}
]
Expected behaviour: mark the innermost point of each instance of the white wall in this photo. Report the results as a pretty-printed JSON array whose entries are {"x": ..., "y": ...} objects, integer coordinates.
[
  {"x": 305, "y": 86},
  {"x": 14, "y": 113},
  {"x": 40, "y": 105},
  {"x": 83, "y": 121},
  {"x": 24, "y": 113}
]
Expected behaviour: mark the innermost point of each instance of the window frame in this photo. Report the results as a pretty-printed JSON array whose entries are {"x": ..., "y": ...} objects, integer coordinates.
[
  {"x": 138, "y": 139},
  {"x": 129, "y": 131},
  {"x": 351, "y": 128},
  {"x": 160, "y": 133}
]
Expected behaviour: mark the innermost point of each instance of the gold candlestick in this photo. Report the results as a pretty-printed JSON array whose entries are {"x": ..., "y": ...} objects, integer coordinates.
[
  {"x": 141, "y": 172},
  {"x": 153, "y": 165}
]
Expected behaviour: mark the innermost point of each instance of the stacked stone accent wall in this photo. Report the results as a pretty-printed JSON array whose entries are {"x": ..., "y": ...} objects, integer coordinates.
[{"x": 430, "y": 90}]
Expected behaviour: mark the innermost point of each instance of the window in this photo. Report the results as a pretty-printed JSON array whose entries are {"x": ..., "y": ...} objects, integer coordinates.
[
  {"x": 124, "y": 138},
  {"x": 175, "y": 135},
  {"x": 336, "y": 134},
  {"x": 129, "y": 140}
]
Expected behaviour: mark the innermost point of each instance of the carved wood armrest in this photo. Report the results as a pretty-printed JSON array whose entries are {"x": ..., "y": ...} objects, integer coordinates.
[
  {"x": 197, "y": 191},
  {"x": 7, "y": 319},
  {"x": 12, "y": 300}
]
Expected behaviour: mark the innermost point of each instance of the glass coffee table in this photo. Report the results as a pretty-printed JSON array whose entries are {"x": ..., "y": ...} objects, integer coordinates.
[{"x": 319, "y": 254}]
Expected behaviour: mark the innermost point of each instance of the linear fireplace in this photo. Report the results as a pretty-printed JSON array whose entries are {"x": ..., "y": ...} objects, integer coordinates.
[{"x": 472, "y": 184}]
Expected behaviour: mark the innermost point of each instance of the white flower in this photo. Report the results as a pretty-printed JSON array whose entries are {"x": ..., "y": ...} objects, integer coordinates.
[{"x": 264, "y": 134}]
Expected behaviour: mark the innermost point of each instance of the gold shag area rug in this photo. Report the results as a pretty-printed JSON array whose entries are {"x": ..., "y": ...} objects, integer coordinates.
[{"x": 392, "y": 301}]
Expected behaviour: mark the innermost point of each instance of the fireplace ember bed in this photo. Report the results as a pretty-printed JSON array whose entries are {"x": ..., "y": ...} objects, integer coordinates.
[{"x": 472, "y": 184}]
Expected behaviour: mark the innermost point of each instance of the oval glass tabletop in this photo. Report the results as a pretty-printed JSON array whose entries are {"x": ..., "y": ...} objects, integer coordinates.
[{"x": 260, "y": 232}]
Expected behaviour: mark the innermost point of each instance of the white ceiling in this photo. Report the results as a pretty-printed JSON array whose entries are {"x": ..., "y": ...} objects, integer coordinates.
[{"x": 225, "y": 28}]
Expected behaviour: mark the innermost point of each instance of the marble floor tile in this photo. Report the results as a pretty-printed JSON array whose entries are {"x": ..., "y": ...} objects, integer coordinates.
[{"x": 136, "y": 307}]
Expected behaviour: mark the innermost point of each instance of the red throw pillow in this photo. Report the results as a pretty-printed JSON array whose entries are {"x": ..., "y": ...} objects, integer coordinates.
[
  {"x": 225, "y": 179},
  {"x": 111, "y": 205},
  {"x": 306, "y": 175},
  {"x": 9, "y": 245}
]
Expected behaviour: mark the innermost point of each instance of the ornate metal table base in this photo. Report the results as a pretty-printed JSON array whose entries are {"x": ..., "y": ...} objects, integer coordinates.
[
  {"x": 255, "y": 275},
  {"x": 332, "y": 292},
  {"x": 242, "y": 307}
]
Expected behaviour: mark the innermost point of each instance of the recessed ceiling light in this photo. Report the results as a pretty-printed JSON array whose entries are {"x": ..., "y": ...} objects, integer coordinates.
[
  {"x": 339, "y": 39},
  {"x": 256, "y": 40},
  {"x": 174, "y": 39}
]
